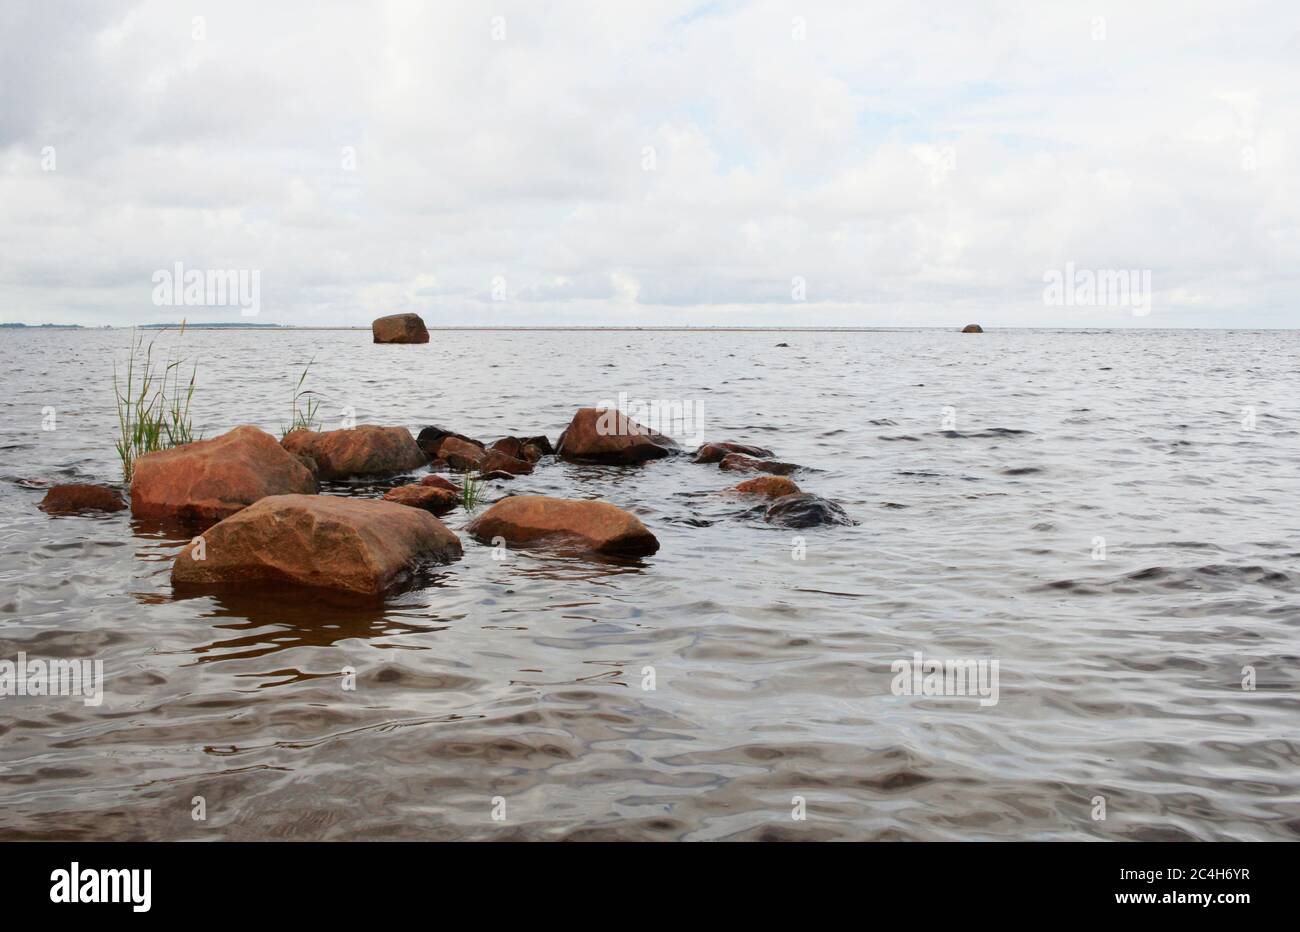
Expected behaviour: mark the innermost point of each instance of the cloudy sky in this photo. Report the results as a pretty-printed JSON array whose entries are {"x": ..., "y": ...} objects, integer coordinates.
[{"x": 671, "y": 163}]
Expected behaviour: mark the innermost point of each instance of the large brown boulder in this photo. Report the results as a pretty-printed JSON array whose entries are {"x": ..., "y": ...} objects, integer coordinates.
[
  {"x": 364, "y": 450},
  {"x": 208, "y": 480},
  {"x": 360, "y": 546},
  {"x": 605, "y": 435},
  {"x": 767, "y": 486},
  {"x": 597, "y": 526},
  {"x": 431, "y": 498},
  {"x": 714, "y": 452},
  {"x": 400, "y": 328},
  {"x": 972, "y": 328},
  {"x": 738, "y": 462},
  {"x": 79, "y": 497}
]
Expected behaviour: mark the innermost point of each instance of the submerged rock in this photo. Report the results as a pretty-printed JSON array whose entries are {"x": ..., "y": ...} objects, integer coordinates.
[
  {"x": 738, "y": 462},
  {"x": 714, "y": 452},
  {"x": 399, "y": 328},
  {"x": 600, "y": 435},
  {"x": 364, "y": 450},
  {"x": 431, "y": 498},
  {"x": 972, "y": 328},
  {"x": 596, "y": 526},
  {"x": 804, "y": 509},
  {"x": 768, "y": 487},
  {"x": 354, "y": 545},
  {"x": 77, "y": 498},
  {"x": 208, "y": 480}
]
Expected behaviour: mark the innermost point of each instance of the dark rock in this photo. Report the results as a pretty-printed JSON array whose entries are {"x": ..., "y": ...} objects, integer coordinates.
[
  {"x": 972, "y": 328},
  {"x": 400, "y": 328},
  {"x": 714, "y": 452},
  {"x": 804, "y": 509},
  {"x": 738, "y": 462},
  {"x": 430, "y": 438}
]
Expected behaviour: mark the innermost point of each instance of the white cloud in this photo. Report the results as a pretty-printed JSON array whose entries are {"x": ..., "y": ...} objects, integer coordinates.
[{"x": 912, "y": 166}]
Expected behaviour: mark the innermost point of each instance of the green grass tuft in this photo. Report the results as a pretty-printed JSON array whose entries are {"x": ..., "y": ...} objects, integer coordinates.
[{"x": 153, "y": 403}]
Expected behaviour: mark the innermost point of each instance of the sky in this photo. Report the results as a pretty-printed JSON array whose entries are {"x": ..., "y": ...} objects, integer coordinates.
[{"x": 636, "y": 164}]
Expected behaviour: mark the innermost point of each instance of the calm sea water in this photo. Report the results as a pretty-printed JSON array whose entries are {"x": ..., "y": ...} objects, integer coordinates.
[{"x": 517, "y": 688}]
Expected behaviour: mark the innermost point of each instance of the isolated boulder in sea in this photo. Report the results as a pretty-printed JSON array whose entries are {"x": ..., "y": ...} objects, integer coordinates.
[
  {"x": 714, "y": 452},
  {"x": 768, "y": 487},
  {"x": 354, "y": 545},
  {"x": 972, "y": 328},
  {"x": 77, "y": 498},
  {"x": 208, "y": 480},
  {"x": 803, "y": 509},
  {"x": 440, "y": 483},
  {"x": 596, "y": 526},
  {"x": 605, "y": 435},
  {"x": 496, "y": 461},
  {"x": 738, "y": 462},
  {"x": 431, "y": 498},
  {"x": 399, "y": 328},
  {"x": 364, "y": 450}
]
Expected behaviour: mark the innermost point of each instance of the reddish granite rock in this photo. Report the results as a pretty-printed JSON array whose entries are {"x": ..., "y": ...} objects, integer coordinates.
[
  {"x": 714, "y": 452},
  {"x": 768, "y": 486},
  {"x": 80, "y": 497},
  {"x": 431, "y": 437},
  {"x": 400, "y": 328},
  {"x": 429, "y": 497},
  {"x": 364, "y": 450},
  {"x": 496, "y": 461},
  {"x": 440, "y": 483},
  {"x": 460, "y": 454},
  {"x": 737, "y": 462},
  {"x": 208, "y": 480},
  {"x": 972, "y": 328},
  {"x": 596, "y": 526},
  {"x": 597, "y": 435},
  {"x": 360, "y": 546}
]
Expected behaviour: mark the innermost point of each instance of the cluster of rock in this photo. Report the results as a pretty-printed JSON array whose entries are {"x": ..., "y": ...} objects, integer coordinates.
[{"x": 255, "y": 499}]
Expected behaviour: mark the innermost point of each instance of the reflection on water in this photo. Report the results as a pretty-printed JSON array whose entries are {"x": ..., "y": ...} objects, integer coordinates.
[{"x": 694, "y": 693}]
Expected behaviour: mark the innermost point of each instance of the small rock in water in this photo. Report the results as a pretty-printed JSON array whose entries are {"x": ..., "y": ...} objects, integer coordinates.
[
  {"x": 972, "y": 328},
  {"x": 605, "y": 435},
  {"x": 399, "y": 328},
  {"x": 779, "y": 345},
  {"x": 81, "y": 497},
  {"x": 714, "y": 452},
  {"x": 768, "y": 486},
  {"x": 804, "y": 509},
  {"x": 440, "y": 483},
  {"x": 738, "y": 462},
  {"x": 497, "y": 461},
  {"x": 431, "y": 498},
  {"x": 431, "y": 437},
  {"x": 596, "y": 526}
]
